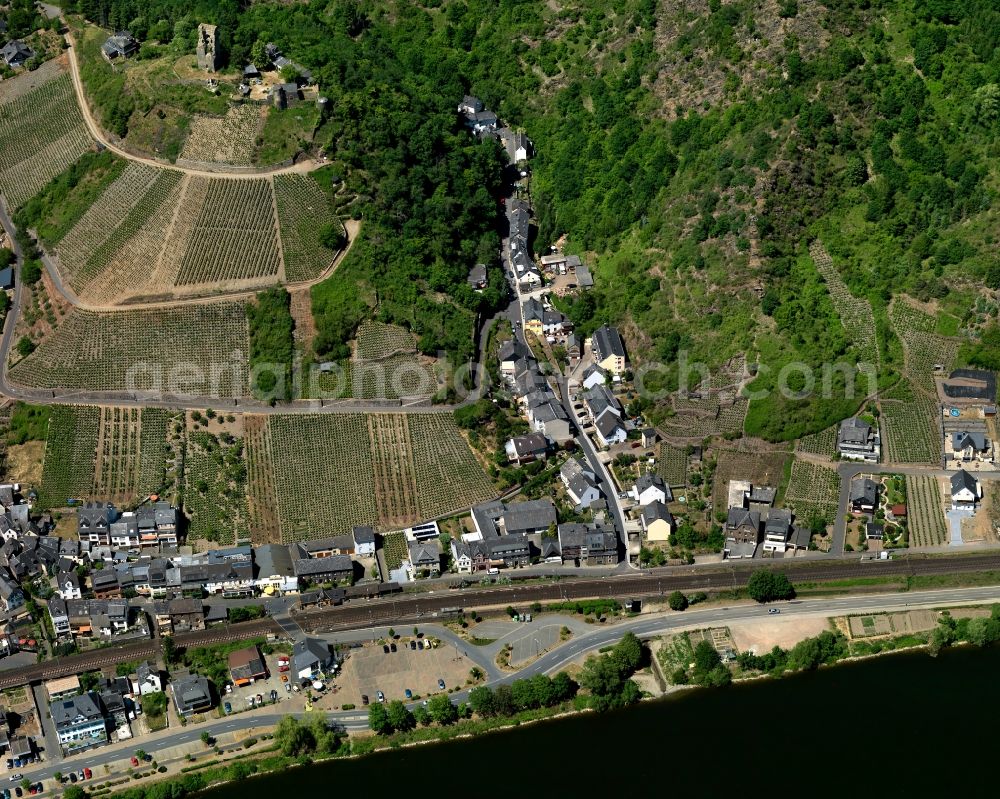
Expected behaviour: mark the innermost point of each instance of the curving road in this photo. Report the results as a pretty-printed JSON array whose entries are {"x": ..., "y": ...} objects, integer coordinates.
[{"x": 578, "y": 646}]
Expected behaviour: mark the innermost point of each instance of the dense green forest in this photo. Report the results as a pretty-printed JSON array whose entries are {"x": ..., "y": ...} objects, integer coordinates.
[{"x": 694, "y": 149}]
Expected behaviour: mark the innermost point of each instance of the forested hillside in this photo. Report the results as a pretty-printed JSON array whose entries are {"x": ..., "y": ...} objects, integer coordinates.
[{"x": 695, "y": 147}]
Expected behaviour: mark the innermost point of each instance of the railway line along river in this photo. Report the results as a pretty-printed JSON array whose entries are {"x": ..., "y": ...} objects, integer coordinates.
[{"x": 904, "y": 724}]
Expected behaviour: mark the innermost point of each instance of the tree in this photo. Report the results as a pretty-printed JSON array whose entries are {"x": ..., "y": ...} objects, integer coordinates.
[
  {"x": 706, "y": 658},
  {"x": 767, "y": 586},
  {"x": 378, "y": 719},
  {"x": 25, "y": 346},
  {"x": 421, "y": 716},
  {"x": 481, "y": 701},
  {"x": 677, "y": 601},
  {"x": 627, "y": 654},
  {"x": 400, "y": 718},
  {"x": 442, "y": 710},
  {"x": 170, "y": 654},
  {"x": 58, "y": 776},
  {"x": 207, "y": 739},
  {"x": 141, "y": 754},
  {"x": 75, "y": 792}
]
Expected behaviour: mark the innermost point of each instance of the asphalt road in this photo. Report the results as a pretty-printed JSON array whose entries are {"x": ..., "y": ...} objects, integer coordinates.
[{"x": 558, "y": 658}]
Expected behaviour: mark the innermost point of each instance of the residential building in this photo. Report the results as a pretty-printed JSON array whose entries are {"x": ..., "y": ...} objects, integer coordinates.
[
  {"x": 69, "y": 586},
  {"x": 11, "y": 595},
  {"x": 94, "y": 522},
  {"x": 310, "y": 657},
  {"x": 874, "y": 531},
  {"x": 971, "y": 447},
  {"x": 965, "y": 491},
  {"x": 857, "y": 440},
  {"x": 609, "y": 429},
  {"x": 179, "y": 615},
  {"x": 478, "y": 277},
  {"x": 509, "y": 551},
  {"x": 580, "y": 483},
  {"x": 528, "y": 518},
  {"x": 594, "y": 376},
  {"x": 657, "y": 521},
  {"x": 331, "y": 569},
  {"x": 63, "y": 687},
  {"x": 424, "y": 556},
  {"x": 864, "y": 495},
  {"x": 526, "y": 448},
  {"x": 777, "y": 529},
  {"x": 470, "y": 105},
  {"x": 147, "y": 679},
  {"x": 59, "y": 615},
  {"x": 609, "y": 350},
  {"x": 364, "y": 541},
  {"x": 15, "y": 54},
  {"x": 192, "y": 694},
  {"x": 120, "y": 45},
  {"x": 246, "y": 666},
  {"x": 742, "y": 533},
  {"x": 275, "y": 572},
  {"x": 650, "y": 488},
  {"x": 590, "y": 545},
  {"x": 79, "y": 721}
]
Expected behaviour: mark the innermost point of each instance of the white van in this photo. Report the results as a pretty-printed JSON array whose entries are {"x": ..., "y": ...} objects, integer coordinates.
[{"x": 494, "y": 570}]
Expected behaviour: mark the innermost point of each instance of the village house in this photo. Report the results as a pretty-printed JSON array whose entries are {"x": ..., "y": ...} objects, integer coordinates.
[
  {"x": 657, "y": 522},
  {"x": 864, "y": 495},
  {"x": 364, "y": 541},
  {"x": 965, "y": 491},
  {"x": 971, "y": 447},
  {"x": 147, "y": 679},
  {"x": 589, "y": 545},
  {"x": 311, "y": 657},
  {"x": 69, "y": 586},
  {"x": 874, "y": 531},
  {"x": 609, "y": 350},
  {"x": 857, "y": 440},
  {"x": 528, "y": 518},
  {"x": 15, "y": 54},
  {"x": 742, "y": 533},
  {"x": 11, "y": 595},
  {"x": 609, "y": 429},
  {"x": 79, "y": 721},
  {"x": 329, "y": 569},
  {"x": 192, "y": 694},
  {"x": 424, "y": 556},
  {"x": 594, "y": 376},
  {"x": 275, "y": 573},
  {"x": 777, "y": 529},
  {"x": 120, "y": 45},
  {"x": 650, "y": 488},
  {"x": 580, "y": 483},
  {"x": 526, "y": 448},
  {"x": 179, "y": 615}
]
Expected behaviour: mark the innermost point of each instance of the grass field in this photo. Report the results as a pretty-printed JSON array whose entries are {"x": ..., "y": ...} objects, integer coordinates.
[
  {"x": 926, "y": 513},
  {"x": 171, "y": 349},
  {"x": 41, "y": 131},
  {"x": 812, "y": 490},
  {"x": 328, "y": 473}
]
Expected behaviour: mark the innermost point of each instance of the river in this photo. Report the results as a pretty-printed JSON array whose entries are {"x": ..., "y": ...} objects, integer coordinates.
[{"x": 899, "y": 724}]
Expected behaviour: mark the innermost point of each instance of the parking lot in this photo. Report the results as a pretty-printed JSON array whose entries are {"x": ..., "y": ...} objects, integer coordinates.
[
  {"x": 239, "y": 699},
  {"x": 369, "y": 670}
]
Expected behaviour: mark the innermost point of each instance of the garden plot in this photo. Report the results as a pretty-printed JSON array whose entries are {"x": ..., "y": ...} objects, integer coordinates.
[
  {"x": 234, "y": 236},
  {"x": 178, "y": 350},
  {"x": 855, "y": 313},
  {"x": 303, "y": 211},
  {"x": 231, "y": 139},
  {"x": 42, "y": 132},
  {"x": 672, "y": 464},
  {"x": 334, "y": 471},
  {"x": 215, "y": 494},
  {"x": 760, "y": 468},
  {"x": 813, "y": 490},
  {"x": 911, "y": 431},
  {"x": 925, "y": 511}
]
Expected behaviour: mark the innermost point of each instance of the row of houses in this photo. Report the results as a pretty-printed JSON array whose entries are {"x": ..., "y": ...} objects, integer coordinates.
[
  {"x": 752, "y": 521},
  {"x": 536, "y": 400}
]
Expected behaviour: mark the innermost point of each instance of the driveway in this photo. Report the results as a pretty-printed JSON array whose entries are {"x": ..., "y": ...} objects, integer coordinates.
[{"x": 955, "y": 525}]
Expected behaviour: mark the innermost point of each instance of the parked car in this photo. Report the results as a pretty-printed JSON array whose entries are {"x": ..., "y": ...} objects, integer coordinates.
[
  {"x": 408, "y": 693},
  {"x": 72, "y": 777},
  {"x": 18, "y": 792},
  {"x": 274, "y": 695},
  {"x": 392, "y": 648},
  {"x": 364, "y": 699},
  {"x": 283, "y": 667},
  {"x": 297, "y": 689},
  {"x": 441, "y": 684},
  {"x": 381, "y": 696},
  {"x": 87, "y": 773},
  {"x": 10, "y": 763},
  {"x": 420, "y": 645},
  {"x": 260, "y": 699},
  {"x": 228, "y": 708},
  {"x": 773, "y": 610},
  {"x": 385, "y": 648},
  {"x": 135, "y": 760},
  {"x": 288, "y": 687},
  {"x": 413, "y": 645},
  {"x": 284, "y": 678}
]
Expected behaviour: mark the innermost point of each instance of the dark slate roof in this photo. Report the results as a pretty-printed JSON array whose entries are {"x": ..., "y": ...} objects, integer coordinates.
[
  {"x": 531, "y": 515},
  {"x": 656, "y": 511},
  {"x": 363, "y": 535},
  {"x": 273, "y": 559},
  {"x": 334, "y": 564},
  {"x": 607, "y": 341},
  {"x": 853, "y": 431},
  {"x": 963, "y": 439},
  {"x": 865, "y": 489},
  {"x": 962, "y": 479},
  {"x": 741, "y": 517}
]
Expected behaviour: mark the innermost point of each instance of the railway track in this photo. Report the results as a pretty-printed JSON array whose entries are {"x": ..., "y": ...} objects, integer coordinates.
[{"x": 407, "y": 608}]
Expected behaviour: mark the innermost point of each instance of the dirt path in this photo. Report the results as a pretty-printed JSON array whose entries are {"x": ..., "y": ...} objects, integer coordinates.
[{"x": 104, "y": 139}]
